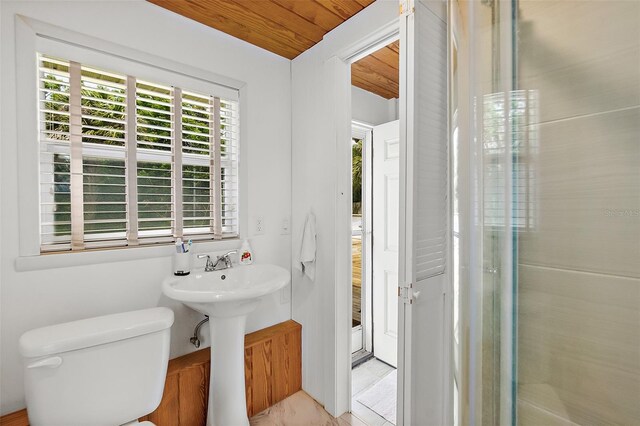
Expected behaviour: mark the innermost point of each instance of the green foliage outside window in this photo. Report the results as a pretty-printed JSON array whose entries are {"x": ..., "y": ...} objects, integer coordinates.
[{"x": 356, "y": 177}]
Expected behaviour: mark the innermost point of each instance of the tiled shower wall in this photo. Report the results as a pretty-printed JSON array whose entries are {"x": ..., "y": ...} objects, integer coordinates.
[{"x": 579, "y": 259}]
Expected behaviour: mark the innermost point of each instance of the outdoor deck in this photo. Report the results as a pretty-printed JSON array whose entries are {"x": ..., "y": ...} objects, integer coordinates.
[{"x": 356, "y": 279}]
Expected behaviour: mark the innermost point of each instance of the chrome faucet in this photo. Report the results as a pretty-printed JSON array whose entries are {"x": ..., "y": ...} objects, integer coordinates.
[{"x": 222, "y": 262}]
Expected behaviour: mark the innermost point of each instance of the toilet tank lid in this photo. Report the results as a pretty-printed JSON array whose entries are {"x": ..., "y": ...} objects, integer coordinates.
[{"x": 89, "y": 332}]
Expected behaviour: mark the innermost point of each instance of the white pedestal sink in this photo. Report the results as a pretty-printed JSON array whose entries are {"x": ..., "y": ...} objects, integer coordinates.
[{"x": 227, "y": 296}]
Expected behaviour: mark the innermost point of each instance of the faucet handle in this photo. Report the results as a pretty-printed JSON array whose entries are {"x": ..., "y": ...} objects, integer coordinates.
[
  {"x": 227, "y": 260},
  {"x": 209, "y": 266}
]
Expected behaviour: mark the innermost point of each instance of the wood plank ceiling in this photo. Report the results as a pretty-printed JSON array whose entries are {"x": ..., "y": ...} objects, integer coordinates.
[
  {"x": 379, "y": 72},
  {"x": 284, "y": 27}
]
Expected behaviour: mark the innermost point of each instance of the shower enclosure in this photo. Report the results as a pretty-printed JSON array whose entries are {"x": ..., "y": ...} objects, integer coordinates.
[{"x": 545, "y": 131}]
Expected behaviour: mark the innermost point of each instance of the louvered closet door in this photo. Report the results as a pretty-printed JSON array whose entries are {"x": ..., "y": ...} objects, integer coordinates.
[{"x": 423, "y": 211}]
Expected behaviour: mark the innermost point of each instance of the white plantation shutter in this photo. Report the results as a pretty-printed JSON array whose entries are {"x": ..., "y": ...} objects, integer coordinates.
[
  {"x": 127, "y": 162},
  {"x": 155, "y": 114},
  {"x": 102, "y": 156},
  {"x": 209, "y": 165},
  {"x": 229, "y": 130},
  {"x": 55, "y": 148},
  {"x": 198, "y": 147}
]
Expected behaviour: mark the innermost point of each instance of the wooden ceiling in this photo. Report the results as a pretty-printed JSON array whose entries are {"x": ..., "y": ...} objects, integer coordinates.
[
  {"x": 289, "y": 27},
  {"x": 379, "y": 72},
  {"x": 284, "y": 27}
]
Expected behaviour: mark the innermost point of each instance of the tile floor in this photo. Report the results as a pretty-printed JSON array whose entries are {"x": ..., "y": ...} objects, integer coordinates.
[
  {"x": 363, "y": 377},
  {"x": 301, "y": 409}
]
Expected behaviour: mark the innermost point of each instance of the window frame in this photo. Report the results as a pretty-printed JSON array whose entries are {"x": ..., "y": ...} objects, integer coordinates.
[{"x": 34, "y": 37}]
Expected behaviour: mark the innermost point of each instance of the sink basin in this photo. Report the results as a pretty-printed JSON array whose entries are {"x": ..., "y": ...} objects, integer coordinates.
[
  {"x": 237, "y": 283},
  {"x": 227, "y": 297}
]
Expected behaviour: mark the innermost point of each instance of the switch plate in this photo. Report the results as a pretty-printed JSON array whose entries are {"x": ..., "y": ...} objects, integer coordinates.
[{"x": 259, "y": 226}]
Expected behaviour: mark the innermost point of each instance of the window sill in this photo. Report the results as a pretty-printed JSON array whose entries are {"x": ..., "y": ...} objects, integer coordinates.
[{"x": 125, "y": 254}]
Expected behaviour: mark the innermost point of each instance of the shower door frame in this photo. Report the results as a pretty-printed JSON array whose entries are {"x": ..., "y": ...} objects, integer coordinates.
[{"x": 502, "y": 268}]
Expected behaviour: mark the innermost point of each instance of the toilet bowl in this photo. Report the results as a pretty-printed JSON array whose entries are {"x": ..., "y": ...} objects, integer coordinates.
[{"x": 101, "y": 371}]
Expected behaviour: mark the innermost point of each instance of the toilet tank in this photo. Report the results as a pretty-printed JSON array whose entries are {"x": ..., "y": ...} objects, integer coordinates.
[{"x": 106, "y": 370}]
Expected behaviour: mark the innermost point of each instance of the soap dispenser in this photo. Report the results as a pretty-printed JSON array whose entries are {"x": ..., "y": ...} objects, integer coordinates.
[{"x": 246, "y": 254}]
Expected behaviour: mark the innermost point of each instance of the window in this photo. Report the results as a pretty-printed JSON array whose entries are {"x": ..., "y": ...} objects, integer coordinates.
[{"x": 126, "y": 161}]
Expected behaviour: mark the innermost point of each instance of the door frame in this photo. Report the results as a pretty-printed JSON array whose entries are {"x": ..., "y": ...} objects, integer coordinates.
[
  {"x": 337, "y": 72},
  {"x": 338, "y": 103}
]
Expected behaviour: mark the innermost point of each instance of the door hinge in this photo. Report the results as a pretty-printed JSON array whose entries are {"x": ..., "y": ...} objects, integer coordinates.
[
  {"x": 406, "y": 294},
  {"x": 406, "y": 7}
]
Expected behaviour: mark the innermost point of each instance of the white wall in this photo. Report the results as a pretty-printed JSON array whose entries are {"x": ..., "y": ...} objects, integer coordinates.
[
  {"x": 372, "y": 109},
  {"x": 315, "y": 189},
  {"x": 42, "y": 297}
]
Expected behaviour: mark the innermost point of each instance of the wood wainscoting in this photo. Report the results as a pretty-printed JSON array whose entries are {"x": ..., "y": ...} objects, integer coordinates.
[{"x": 273, "y": 371}]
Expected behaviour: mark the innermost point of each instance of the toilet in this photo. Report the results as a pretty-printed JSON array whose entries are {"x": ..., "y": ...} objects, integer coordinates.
[{"x": 103, "y": 371}]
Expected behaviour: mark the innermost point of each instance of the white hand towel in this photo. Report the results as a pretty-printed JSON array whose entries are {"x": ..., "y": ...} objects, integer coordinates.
[{"x": 308, "y": 248}]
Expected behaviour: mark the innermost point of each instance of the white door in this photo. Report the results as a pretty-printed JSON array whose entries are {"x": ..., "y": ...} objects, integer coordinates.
[
  {"x": 386, "y": 199},
  {"x": 424, "y": 378}
]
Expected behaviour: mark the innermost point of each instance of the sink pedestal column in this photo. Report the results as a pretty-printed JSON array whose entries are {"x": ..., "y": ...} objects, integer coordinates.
[{"x": 227, "y": 399}]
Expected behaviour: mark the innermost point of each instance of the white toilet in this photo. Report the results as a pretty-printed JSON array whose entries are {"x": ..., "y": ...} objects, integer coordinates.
[{"x": 103, "y": 371}]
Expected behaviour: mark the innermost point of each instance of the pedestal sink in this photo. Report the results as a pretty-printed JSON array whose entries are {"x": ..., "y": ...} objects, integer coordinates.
[{"x": 227, "y": 296}]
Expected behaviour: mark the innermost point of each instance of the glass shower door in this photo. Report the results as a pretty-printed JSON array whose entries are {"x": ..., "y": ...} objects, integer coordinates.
[{"x": 550, "y": 160}]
